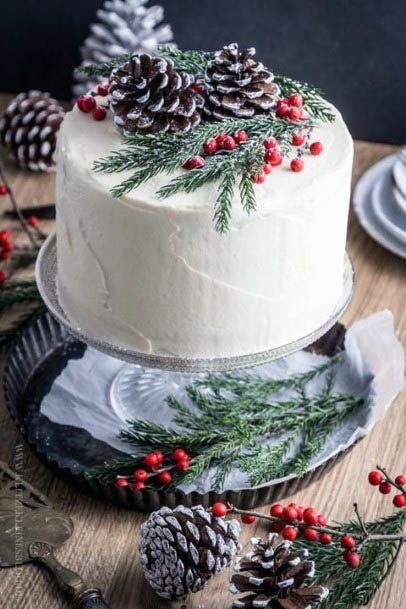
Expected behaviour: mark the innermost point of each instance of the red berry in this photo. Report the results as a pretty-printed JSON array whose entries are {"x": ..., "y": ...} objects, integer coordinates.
[
  {"x": 164, "y": 477},
  {"x": 259, "y": 178},
  {"x": 294, "y": 114},
  {"x": 401, "y": 480},
  {"x": 7, "y": 246},
  {"x": 277, "y": 527},
  {"x": 3, "y": 189},
  {"x": 270, "y": 143},
  {"x": 220, "y": 139},
  {"x": 296, "y": 164},
  {"x": 137, "y": 486},
  {"x": 159, "y": 456},
  {"x": 180, "y": 455},
  {"x": 399, "y": 501},
  {"x": 247, "y": 518},
  {"x": 274, "y": 156},
  {"x": 140, "y": 475},
  {"x": 241, "y": 136},
  {"x": 103, "y": 90},
  {"x": 310, "y": 516},
  {"x": 183, "y": 465},
  {"x": 352, "y": 559},
  {"x": 229, "y": 143},
  {"x": 195, "y": 162},
  {"x": 385, "y": 487},
  {"x": 3, "y": 276},
  {"x": 283, "y": 110},
  {"x": 86, "y": 103},
  {"x": 348, "y": 542},
  {"x": 282, "y": 100},
  {"x": 219, "y": 509},
  {"x": 32, "y": 221},
  {"x": 151, "y": 460},
  {"x": 210, "y": 146},
  {"x": 316, "y": 148},
  {"x": 298, "y": 138},
  {"x": 4, "y": 235},
  {"x": 4, "y": 255},
  {"x": 300, "y": 511},
  {"x": 296, "y": 100},
  {"x": 277, "y": 510},
  {"x": 325, "y": 539},
  {"x": 375, "y": 478},
  {"x": 99, "y": 113},
  {"x": 289, "y": 513},
  {"x": 321, "y": 520},
  {"x": 122, "y": 482},
  {"x": 267, "y": 168},
  {"x": 289, "y": 533},
  {"x": 311, "y": 534}
]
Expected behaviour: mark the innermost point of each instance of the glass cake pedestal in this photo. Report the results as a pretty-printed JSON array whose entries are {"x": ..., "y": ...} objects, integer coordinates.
[{"x": 145, "y": 377}]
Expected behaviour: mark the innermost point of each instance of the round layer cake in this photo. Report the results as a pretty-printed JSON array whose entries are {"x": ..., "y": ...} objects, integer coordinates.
[{"x": 154, "y": 275}]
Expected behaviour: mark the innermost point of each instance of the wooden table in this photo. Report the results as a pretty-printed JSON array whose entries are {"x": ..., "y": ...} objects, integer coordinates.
[{"x": 103, "y": 547}]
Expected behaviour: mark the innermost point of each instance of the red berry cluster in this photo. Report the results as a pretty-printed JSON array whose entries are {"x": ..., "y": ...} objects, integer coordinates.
[
  {"x": 291, "y": 108},
  {"x": 157, "y": 467},
  {"x": 386, "y": 485},
  {"x": 87, "y": 103},
  {"x": 6, "y": 247},
  {"x": 222, "y": 142}
]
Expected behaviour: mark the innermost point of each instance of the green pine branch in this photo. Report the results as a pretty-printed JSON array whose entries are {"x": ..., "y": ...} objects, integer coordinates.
[
  {"x": 103, "y": 69},
  {"x": 350, "y": 588},
  {"x": 231, "y": 415}
]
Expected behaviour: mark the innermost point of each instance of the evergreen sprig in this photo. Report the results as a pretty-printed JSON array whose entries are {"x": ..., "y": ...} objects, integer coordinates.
[
  {"x": 350, "y": 588},
  {"x": 229, "y": 418},
  {"x": 148, "y": 155}
]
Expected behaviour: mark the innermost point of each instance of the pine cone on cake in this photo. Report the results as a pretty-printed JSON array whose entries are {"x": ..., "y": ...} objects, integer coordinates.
[
  {"x": 274, "y": 575},
  {"x": 28, "y": 129},
  {"x": 148, "y": 95},
  {"x": 182, "y": 549},
  {"x": 237, "y": 85}
]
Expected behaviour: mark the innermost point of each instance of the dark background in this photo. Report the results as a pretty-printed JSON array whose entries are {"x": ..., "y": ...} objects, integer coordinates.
[{"x": 355, "y": 50}]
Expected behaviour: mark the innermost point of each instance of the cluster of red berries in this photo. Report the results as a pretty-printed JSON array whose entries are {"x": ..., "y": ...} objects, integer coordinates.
[
  {"x": 222, "y": 142},
  {"x": 385, "y": 486},
  {"x": 291, "y": 108},
  {"x": 87, "y": 103},
  {"x": 6, "y": 245},
  {"x": 156, "y": 469}
]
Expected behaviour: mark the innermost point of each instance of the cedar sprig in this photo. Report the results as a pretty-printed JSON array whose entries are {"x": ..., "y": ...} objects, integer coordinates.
[
  {"x": 103, "y": 69},
  {"x": 225, "y": 428}
]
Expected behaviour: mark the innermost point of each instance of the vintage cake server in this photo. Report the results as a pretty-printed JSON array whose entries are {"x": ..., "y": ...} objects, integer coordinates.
[{"x": 30, "y": 530}]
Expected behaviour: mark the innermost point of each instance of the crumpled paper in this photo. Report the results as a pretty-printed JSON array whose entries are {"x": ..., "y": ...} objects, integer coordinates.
[{"x": 85, "y": 393}]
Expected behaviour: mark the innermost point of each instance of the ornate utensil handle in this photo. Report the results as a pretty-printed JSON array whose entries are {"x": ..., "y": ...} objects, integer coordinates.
[{"x": 83, "y": 596}]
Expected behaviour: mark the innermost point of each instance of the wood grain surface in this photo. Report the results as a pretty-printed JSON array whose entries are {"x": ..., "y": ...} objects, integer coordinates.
[{"x": 103, "y": 548}]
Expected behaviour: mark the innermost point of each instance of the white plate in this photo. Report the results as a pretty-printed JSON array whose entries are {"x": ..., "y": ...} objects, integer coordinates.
[
  {"x": 386, "y": 210},
  {"x": 399, "y": 173},
  {"x": 362, "y": 202}
]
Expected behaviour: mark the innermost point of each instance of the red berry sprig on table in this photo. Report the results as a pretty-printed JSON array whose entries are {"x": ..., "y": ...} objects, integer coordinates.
[
  {"x": 6, "y": 247},
  {"x": 380, "y": 478},
  {"x": 155, "y": 470}
]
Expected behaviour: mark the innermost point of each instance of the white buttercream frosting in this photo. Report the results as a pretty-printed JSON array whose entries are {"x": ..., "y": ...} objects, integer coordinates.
[{"x": 156, "y": 276}]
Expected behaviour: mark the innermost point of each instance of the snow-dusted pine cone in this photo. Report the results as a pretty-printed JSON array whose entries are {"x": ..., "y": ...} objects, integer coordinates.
[
  {"x": 274, "y": 575},
  {"x": 148, "y": 95},
  {"x": 237, "y": 85},
  {"x": 28, "y": 128},
  {"x": 182, "y": 548},
  {"x": 123, "y": 26}
]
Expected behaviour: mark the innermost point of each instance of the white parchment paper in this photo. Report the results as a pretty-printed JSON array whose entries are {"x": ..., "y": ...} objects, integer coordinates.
[{"x": 372, "y": 366}]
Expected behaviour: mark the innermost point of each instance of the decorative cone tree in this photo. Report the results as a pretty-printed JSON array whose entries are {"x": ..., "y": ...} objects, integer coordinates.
[{"x": 123, "y": 26}]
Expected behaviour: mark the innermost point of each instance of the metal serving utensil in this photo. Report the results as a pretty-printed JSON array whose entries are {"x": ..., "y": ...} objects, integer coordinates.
[{"x": 30, "y": 530}]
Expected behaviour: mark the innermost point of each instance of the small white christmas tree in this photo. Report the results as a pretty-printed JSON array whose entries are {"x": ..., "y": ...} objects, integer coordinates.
[{"x": 124, "y": 25}]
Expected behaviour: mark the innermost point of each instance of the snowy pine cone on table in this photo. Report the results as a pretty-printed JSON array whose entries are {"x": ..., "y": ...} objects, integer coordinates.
[
  {"x": 28, "y": 128},
  {"x": 148, "y": 95},
  {"x": 274, "y": 577},
  {"x": 237, "y": 85},
  {"x": 124, "y": 26},
  {"x": 181, "y": 549}
]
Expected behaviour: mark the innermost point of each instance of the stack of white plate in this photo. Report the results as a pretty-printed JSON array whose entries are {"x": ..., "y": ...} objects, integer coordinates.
[{"x": 380, "y": 202}]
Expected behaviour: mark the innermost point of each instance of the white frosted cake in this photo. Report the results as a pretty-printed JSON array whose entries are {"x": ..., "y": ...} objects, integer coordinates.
[{"x": 154, "y": 274}]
